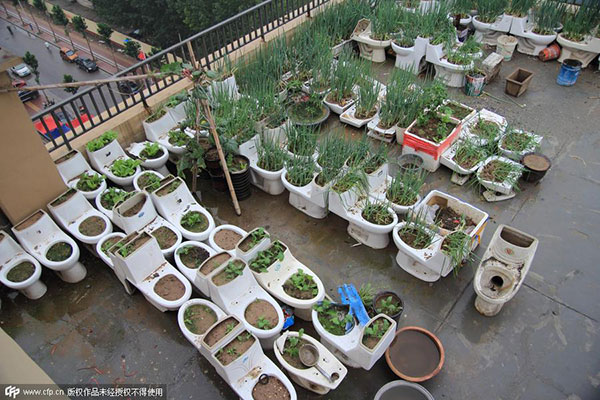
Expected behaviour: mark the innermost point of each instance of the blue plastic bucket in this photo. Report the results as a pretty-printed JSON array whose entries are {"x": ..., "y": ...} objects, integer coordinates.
[{"x": 569, "y": 71}]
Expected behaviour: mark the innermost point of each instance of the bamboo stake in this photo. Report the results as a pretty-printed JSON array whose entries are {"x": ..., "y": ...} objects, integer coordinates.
[{"x": 213, "y": 131}]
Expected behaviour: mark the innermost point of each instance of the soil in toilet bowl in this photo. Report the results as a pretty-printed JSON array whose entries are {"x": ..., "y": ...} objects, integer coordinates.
[
  {"x": 274, "y": 389},
  {"x": 198, "y": 318},
  {"x": 108, "y": 243},
  {"x": 135, "y": 208},
  {"x": 234, "y": 349},
  {"x": 220, "y": 331},
  {"x": 232, "y": 270},
  {"x": 169, "y": 287},
  {"x": 227, "y": 239},
  {"x": 165, "y": 237},
  {"x": 194, "y": 221},
  {"x": 21, "y": 272},
  {"x": 92, "y": 226},
  {"x": 414, "y": 353},
  {"x": 261, "y": 314},
  {"x": 291, "y": 352},
  {"x": 66, "y": 196},
  {"x": 301, "y": 286},
  {"x": 29, "y": 221},
  {"x": 458, "y": 111},
  {"x": 192, "y": 256},
  {"x": 169, "y": 188},
  {"x": 59, "y": 252},
  {"x": 374, "y": 332},
  {"x": 253, "y": 239},
  {"x": 450, "y": 219},
  {"x": 214, "y": 262}
]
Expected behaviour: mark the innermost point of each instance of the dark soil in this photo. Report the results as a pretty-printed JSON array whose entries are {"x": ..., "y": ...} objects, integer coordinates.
[
  {"x": 199, "y": 226},
  {"x": 59, "y": 252},
  {"x": 109, "y": 243},
  {"x": 198, "y": 318},
  {"x": 409, "y": 237},
  {"x": 296, "y": 293},
  {"x": 261, "y": 309},
  {"x": 366, "y": 115},
  {"x": 458, "y": 112},
  {"x": 401, "y": 202},
  {"x": 63, "y": 198},
  {"x": 214, "y": 262},
  {"x": 272, "y": 390},
  {"x": 29, "y": 221},
  {"x": 169, "y": 287},
  {"x": 371, "y": 341},
  {"x": 21, "y": 272},
  {"x": 165, "y": 237},
  {"x": 234, "y": 349},
  {"x": 247, "y": 244},
  {"x": 92, "y": 226},
  {"x": 222, "y": 277},
  {"x": 294, "y": 360},
  {"x": 429, "y": 130},
  {"x": 135, "y": 208},
  {"x": 227, "y": 239},
  {"x": 194, "y": 257},
  {"x": 220, "y": 331},
  {"x": 144, "y": 154},
  {"x": 450, "y": 219},
  {"x": 489, "y": 172},
  {"x": 169, "y": 188}
]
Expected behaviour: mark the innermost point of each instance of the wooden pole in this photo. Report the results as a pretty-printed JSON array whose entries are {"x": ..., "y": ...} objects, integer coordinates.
[
  {"x": 213, "y": 131},
  {"x": 84, "y": 83}
]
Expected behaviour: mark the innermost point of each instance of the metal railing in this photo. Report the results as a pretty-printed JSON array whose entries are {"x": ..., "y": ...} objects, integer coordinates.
[{"x": 89, "y": 108}]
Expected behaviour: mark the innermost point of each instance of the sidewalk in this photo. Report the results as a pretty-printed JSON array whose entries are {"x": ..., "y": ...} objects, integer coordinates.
[{"x": 102, "y": 53}]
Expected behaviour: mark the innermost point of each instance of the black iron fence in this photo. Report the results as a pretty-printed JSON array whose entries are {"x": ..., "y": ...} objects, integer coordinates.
[{"x": 89, "y": 108}]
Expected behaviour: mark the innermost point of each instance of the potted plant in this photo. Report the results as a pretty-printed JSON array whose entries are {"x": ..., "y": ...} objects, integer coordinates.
[
  {"x": 232, "y": 270},
  {"x": 457, "y": 111},
  {"x": 125, "y": 167},
  {"x": 298, "y": 174},
  {"x": 403, "y": 190},
  {"x": 488, "y": 18},
  {"x": 456, "y": 249},
  {"x": 261, "y": 314},
  {"x": 255, "y": 241},
  {"x": 308, "y": 109},
  {"x": 388, "y": 303},
  {"x": 378, "y": 213},
  {"x": 176, "y": 106},
  {"x": 101, "y": 141},
  {"x": 167, "y": 238},
  {"x": 148, "y": 181},
  {"x": 220, "y": 331},
  {"x": 301, "y": 286},
  {"x": 90, "y": 184},
  {"x": 238, "y": 166},
  {"x": 266, "y": 258},
  {"x": 235, "y": 348},
  {"x": 194, "y": 221},
  {"x": 484, "y": 131},
  {"x": 464, "y": 158},
  {"x": 151, "y": 151},
  {"x": 301, "y": 141},
  {"x": 266, "y": 173},
  {"x": 223, "y": 78},
  {"x": 335, "y": 318},
  {"x": 366, "y": 106},
  {"x": 374, "y": 332},
  {"x": 475, "y": 81},
  {"x": 107, "y": 200},
  {"x": 500, "y": 174},
  {"x": 342, "y": 94},
  {"x": 383, "y": 25},
  {"x": 178, "y": 138},
  {"x": 516, "y": 143},
  {"x": 376, "y": 167}
]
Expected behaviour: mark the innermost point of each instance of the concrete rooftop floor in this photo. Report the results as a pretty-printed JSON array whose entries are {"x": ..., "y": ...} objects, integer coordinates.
[{"x": 544, "y": 344}]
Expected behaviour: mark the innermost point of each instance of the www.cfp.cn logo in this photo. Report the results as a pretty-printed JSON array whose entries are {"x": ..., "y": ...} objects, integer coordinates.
[{"x": 12, "y": 391}]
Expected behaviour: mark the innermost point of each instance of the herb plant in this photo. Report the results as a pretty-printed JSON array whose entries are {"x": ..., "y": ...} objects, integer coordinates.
[
  {"x": 89, "y": 182},
  {"x": 101, "y": 141},
  {"x": 124, "y": 167}
]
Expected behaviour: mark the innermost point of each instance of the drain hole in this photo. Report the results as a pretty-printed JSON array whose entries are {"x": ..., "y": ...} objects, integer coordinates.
[{"x": 497, "y": 282}]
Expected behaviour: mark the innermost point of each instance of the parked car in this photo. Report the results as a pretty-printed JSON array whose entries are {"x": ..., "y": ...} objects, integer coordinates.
[
  {"x": 68, "y": 54},
  {"x": 129, "y": 87},
  {"x": 26, "y": 95},
  {"x": 86, "y": 64},
  {"x": 21, "y": 70},
  {"x": 17, "y": 83}
]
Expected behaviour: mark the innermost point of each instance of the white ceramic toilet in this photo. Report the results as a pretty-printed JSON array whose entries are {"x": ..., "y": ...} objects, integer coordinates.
[
  {"x": 409, "y": 58},
  {"x": 347, "y": 206},
  {"x": 103, "y": 158},
  {"x": 173, "y": 200},
  {"x": 311, "y": 378},
  {"x": 71, "y": 166},
  {"x": 349, "y": 349},
  {"x": 100, "y": 247},
  {"x": 192, "y": 274},
  {"x": 503, "y": 268},
  {"x": 277, "y": 275},
  {"x": 136, "y": 184},
  {"x": 178, "y": 112},
  {"x": 104, "y": 210},
  {"x": 137, "y": 213},
  {"x": 196, "y": 338},
  {"x": 311, "y": 199},
  {"x": 260, "y": 245},
  {"x": 236, "y": 295},
  {"x": 225, "y": 227},
  {"x": 250, "y": 367},
  {"x": 485, "y": 115},
  {"x": 370, "y": 49},
  {"x": 420, "y": 263},
  {"x": 487, "y": 33},
  {"x": 76, "y": 215},
  {"x": 11, "y": 256},
  {"x": 158, "y": 131},
  {"x": 453, "y": 75},
  {"x": 158, "y": 164},
  {"x": 140, "y": 260},
  {"x": 267, "y": 181},
  {"x": 584, "y": 51},
  {"x": 530, "y": 43},
  {"x": 38, "y": 233}
]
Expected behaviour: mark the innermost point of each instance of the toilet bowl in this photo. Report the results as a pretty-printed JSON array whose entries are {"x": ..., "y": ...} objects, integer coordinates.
[
  {"x": 311, "y": 199},
  {"x": 255, "y": 241},
  {"x": 503, "y": 268},
  {"x": 209, "y": 268},
  {"x": 137, "y": 213},
  {"x": 185, "y": 319},
  {"x": 370, "y": 49},
  {"x": 384, "y": 134},
  {"x": 191, "y": 271},
  {"x": 178, "y": 113},
  {"x": 140, "y": 260},
  {"x": 530, "y": 43},
  {"x": 275, "y": 276},
  {"x": 158, "y": 164},
  {"x": 136, "y": 184},
  {"x": 38, "y": 233},
  {"x": 349, "y": 348},
  {"x": 173, "y": 200},
  {"x": 71, "y": 166},
  {"x": 244, "y": 372},
  {"x": 411, "y": 58},
  {"x": 505, "y": 188},
  {"x": 267, "y": 181},
  {"x": 235, "y": 296},
  {"x": 103, "y": 246},
  {"x": 76, "y": 215},
  {"x": 158, "y": 131},
  {"x": 349, "y": 117},
  {"x": 310, "y": 377},
  {"x": 225, "y": 227},
  {"x": 11, "y": 256},
  {"x": 347, "y": 206},
  {"x": 277, "y": 134},
  {"x": 103, "y": 158},
  {"x": 380, "y": 194},
  {"x": 420, "y": 263},
  {"x": 453, "y": 75},
  {"x": 584, "y": 51},
  {"x": 486, "y": 115},
  {"x": 104, "y": 210},
  {"x": 487, "y": 33}
]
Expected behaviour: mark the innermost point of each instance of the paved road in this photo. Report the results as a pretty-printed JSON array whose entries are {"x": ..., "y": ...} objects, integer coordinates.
[{"x": 52, "y": 67}]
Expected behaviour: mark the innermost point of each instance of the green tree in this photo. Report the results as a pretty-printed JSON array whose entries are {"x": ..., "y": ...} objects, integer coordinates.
[
  {"x": 32, "y": 62},
  {"x": 132, "y": 48},
  {"x": 80, "y": 26},
  {"x": 41, "y": 5},
  {"x": 69, "y": 79},
  {"x": 106, "y": 32},
  {"x": 60, "y": 18}
]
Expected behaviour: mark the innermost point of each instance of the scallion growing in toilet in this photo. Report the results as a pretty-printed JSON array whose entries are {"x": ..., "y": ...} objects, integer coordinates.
[
  {"x": 405, "y": 187},
  {"x": 124, "y": 167},
  {"x": 415, "y": 232},
  {"x": 302, "y": 140},
  {"x": 518, "y": 141},
  {"x": 366, "y": 105},
  {"x": 456, "y": 246},
  {"x": 194, "y": 221},
  {"x": 502, "y": 171},
  {"x": 151, "y": 151},
  {"x": 101, "y": 141},
  {"x": 377, "y": 213},
  {"x": 488, "y": 130},
  {"x": 300, "y": 171},
  {"x": 271, "y": 156},
  {"x": 89, "y": 182},
  {"x": 468, "y": 153},
  {"x": 377, "y": 157}
]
